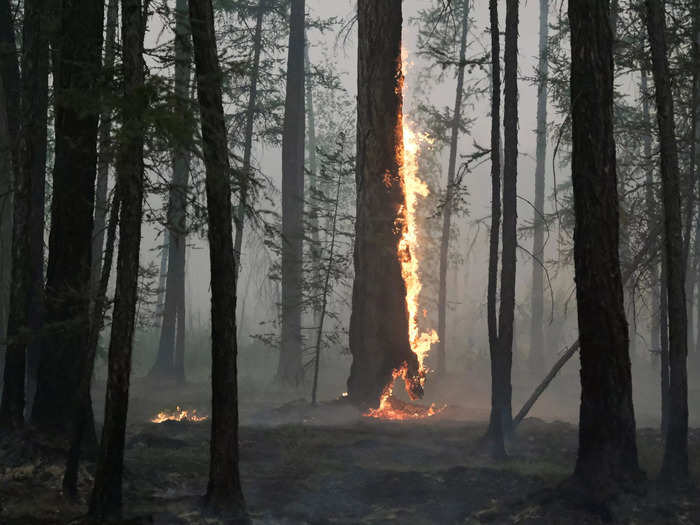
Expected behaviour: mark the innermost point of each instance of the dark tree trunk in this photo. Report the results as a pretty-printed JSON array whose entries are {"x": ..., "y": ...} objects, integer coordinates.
[
  {"x": 106, "y": 499},
  {"x": 35, "y": 101},
  {"x": 82, "y": 412},
  {"x": 104, "y": 141},
  {"x": 170, "y": 362},
  {"x": 675, "y": 464},
  {"x": 290, "y": 370},
  {"x": 449, "y": 193},
  {"x": 496, "y": 430},
  {"x": 607, "y": 455},
  {"x": 379, "y": 321},
  {"x": 12, "y": 404},
  {"x": 76, "y": 75},
  {"x": 224, "y": 492},
  {"x": 663, "y": 328},
  {"x": 536, "y": 358},
  {"x": 506, "y": 315},
  {"x": 6, "y": 211},
  {"x": 247, "y": 174}
]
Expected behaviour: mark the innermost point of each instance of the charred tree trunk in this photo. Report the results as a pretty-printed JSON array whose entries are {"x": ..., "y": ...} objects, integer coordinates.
[
  {"x": 104, "y": 141},
  {"x": 663, "y": 326},
  {"x": 224, "y": 493},
  {"x": 536, "y": 358},
  {"x": 379, "y": 321},
  {"x": 506, "y": 315},
  {"x": 106, "y": 499},
  {"x": 290, "y": 370},
  {"x": 169, "y": 363},
  {"x": 35, "y": 101},
  {"x": 12, "y": 404},
  {"x": 247, "y": 174},
  {"x": 675, "y": 464},
  {"x": 6, "y": 211},
  {"x": 496, "y": 430},
  {"x": 78, "y": 44},
  {"x": 449, "y": 193},
  {"x": 607, "y": 455}
]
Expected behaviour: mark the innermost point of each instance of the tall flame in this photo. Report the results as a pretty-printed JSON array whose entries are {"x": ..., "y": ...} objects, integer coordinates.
[{"x": 414, "y": 188}]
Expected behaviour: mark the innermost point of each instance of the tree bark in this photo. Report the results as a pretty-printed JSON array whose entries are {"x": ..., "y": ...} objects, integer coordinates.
[
  {"x": 607, "y": 455},
  {"x": 76, "y": 75},
  {"x": 496, "y": 430},
  {"x": 224, "y": 492},
  {"x": 675, "y": 463},
  {"x": 12, "y": 404},
  {"x": 35, "y": 101},
  {"x": 106, "y": 499},
  {"x": 379, "y": 320},
  {"x": 6, "y": 211},
  {"x": 290, "y": 370},
  {"x": 449, "y": 193},
  {"x": 536, "y": 358},
  {"x": 169, "y": 362}
]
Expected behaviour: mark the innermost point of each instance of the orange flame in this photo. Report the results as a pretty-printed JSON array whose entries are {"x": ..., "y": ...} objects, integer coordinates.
[
  {"x": 414, "y": 188},
  {"x": 178, "y": 415}
]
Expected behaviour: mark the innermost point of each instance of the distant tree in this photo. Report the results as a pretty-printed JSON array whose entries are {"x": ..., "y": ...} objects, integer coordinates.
[
  {"x": 106, "y": 499},
  {"x": 78, "y": 45},
  {"x": 171, "y": 346},
  {"x": 675, "y": 464},
  {"x": 536, "y": 360},
  {"x": 607, "y": 455},
  {"x": 290, "y": 369},
  {"x": 224, "y": 492}
]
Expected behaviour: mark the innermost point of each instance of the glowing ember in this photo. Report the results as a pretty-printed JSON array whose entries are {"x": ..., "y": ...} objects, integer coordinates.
[
  {"x": 414, "y": 187},
  {"x": 178, "y": 415}
]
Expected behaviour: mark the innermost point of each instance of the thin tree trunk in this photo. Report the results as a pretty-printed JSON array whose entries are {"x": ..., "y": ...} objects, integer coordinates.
[
  {"x": 449, "y": 193},
  {"x": 106, "y": 499},
  {"x": 326, "y": 290},
  {"x": 35, "y": 102},
  {"x": 663, "y": 326},
  {"x": 78, "y": 53},
  {"x": 496, "y": 430},
  {"x": 379, "y": 320},
  {"x": 162, "y": 276},
  {"x": 536, "y": 358},
  {"x": 224, "y": 492},
  {"x": 81, "y": 419},
  {"x": 675, "y": 463},
  {"x": 249, "y": 128},
  {"x": 104, "y": 141},
  {"x": 607, "y": 455},
  {"x": 168, "y": 364},
  {"x": 290, "y": 370}
]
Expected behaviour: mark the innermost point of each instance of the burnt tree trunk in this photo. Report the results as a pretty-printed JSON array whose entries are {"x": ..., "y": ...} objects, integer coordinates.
[
  {"x": 12, "y": 404},
  {"x": 224, "y": 492},
  {"x": 106, "y": 499},
  {"x": 6, "y": 210},
  {"x": 35, "y": 102},
  {"x": 675, "y": 463},
  {"x": 449, "y": 193},
  {"x": 290, "y": 370},
  {"x": 663, "y": 348},
  {"x": 251, "y": 111},
  {"x": 536, "y": 358},
  {"x": 607, "y": 454},
  {"x": 76, "y": 75},
  {"x": 379, "y": 321},
  {"x": 496, "y": 430},
  {"x": 169, "y": 362},
  {"x": 506, "y": 314}
]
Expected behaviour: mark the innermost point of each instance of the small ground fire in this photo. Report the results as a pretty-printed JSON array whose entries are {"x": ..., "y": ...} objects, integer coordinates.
[{"x": 178, "y": 415}]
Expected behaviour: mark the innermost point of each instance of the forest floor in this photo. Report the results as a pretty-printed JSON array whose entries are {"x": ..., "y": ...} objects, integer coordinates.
[{"x": 330, "y": 464}]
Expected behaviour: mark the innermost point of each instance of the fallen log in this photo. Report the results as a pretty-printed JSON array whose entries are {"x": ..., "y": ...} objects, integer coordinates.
[{"x": 544, "y": 384}]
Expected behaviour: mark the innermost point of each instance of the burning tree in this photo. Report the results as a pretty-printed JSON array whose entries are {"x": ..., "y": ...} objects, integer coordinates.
[{"x": 385, "y": 340}]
